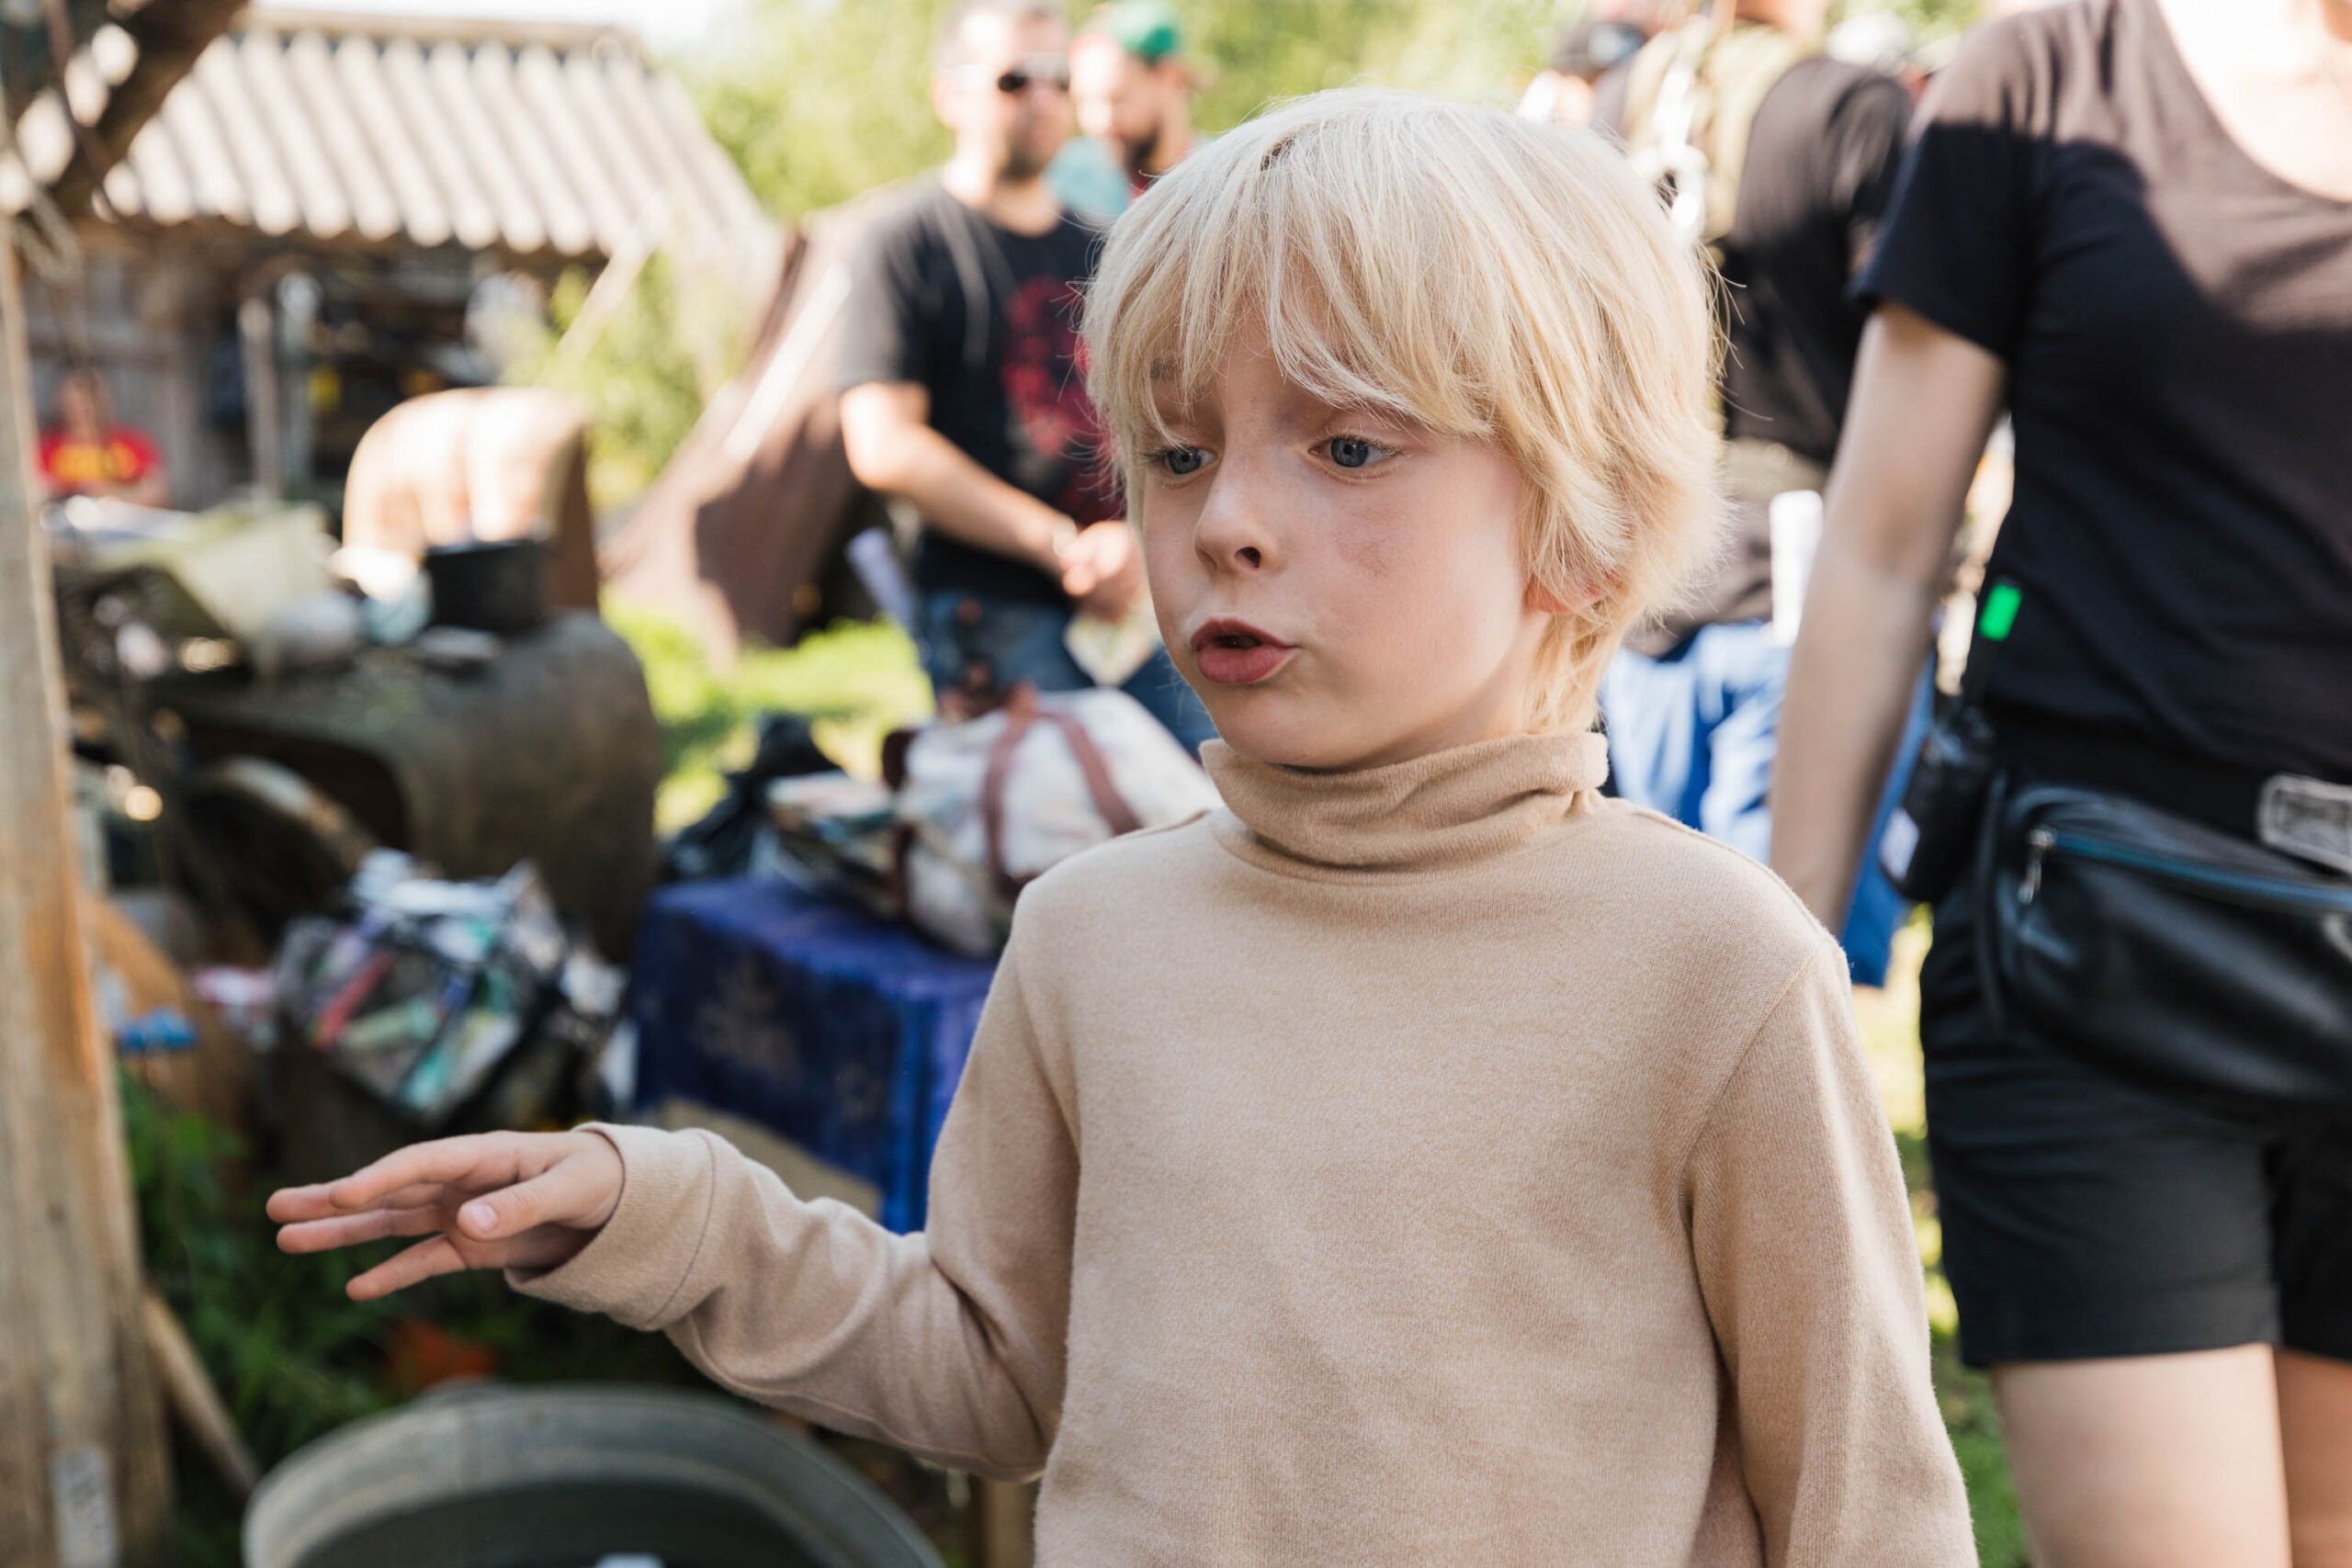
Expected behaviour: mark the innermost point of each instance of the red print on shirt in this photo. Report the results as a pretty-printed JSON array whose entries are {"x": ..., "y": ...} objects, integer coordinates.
[{"x": 1044, "y": 384}]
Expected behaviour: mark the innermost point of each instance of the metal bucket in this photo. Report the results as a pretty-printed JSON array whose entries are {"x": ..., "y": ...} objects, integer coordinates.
[{"x": 569, "y": 1477}]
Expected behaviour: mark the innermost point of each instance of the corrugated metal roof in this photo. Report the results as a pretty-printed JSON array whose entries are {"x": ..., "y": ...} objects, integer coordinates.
[{"x": 542, "y": 142}]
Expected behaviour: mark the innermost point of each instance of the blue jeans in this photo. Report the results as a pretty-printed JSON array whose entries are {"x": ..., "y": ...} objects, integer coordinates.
[
  {"x": 1693, "y": 735},
  {"x": 1007, "y": 642}
]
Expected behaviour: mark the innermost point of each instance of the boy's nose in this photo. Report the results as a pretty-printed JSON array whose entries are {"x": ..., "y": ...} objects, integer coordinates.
[{"x": 1231, "y": 535}]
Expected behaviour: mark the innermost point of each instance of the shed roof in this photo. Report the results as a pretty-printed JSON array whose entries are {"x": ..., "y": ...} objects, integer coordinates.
[{"x": 541, "y": 141}]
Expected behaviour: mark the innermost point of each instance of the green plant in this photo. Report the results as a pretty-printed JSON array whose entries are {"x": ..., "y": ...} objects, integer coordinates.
[{"x": 293, "y": 1356}]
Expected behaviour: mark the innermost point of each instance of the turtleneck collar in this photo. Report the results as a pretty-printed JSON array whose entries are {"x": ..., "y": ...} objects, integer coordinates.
[{"x": 1445, "y": 809}]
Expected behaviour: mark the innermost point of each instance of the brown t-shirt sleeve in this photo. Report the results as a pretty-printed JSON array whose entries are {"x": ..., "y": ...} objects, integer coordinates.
[
  {"x": 1801, "y": 1235},
  {"x": 949, "y": 1343}
]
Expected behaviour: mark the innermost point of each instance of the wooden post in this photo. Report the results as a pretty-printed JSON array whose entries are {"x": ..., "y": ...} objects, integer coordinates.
[
  {"x": 264, "y": 423},
  {"x": 1007, "y": 1520},
  {"x": 84, "y": 1482}
]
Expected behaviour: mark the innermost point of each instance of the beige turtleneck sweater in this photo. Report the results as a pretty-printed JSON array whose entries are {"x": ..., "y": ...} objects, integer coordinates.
[{"x": 1437, "y": 1164}]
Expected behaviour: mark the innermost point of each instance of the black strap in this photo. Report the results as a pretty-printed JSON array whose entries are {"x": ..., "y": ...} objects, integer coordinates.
[{"x": 979, "y": 264}]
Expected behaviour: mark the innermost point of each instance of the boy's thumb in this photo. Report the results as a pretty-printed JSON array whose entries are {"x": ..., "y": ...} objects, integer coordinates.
[{"x": 555, "y": 1195}]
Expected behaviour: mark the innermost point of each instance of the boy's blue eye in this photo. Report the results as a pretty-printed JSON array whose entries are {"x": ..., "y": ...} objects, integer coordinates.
[
  {"x": 1183, "y": 460},
  {"x": 1352, "y": 451}
]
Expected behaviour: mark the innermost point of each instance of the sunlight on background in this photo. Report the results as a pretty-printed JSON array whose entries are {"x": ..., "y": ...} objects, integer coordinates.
[{"x": 665, "y": 24}]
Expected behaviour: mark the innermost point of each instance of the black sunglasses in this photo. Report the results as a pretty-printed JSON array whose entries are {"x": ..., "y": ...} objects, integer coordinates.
[{"x": 1019, "y": 80}]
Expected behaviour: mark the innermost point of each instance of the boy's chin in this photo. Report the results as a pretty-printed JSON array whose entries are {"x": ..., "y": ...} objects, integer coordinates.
[{"x": 1267, "y": 727}]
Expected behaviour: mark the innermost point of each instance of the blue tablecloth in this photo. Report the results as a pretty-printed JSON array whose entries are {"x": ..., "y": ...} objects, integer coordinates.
[{"x": 841, "y": 1032}]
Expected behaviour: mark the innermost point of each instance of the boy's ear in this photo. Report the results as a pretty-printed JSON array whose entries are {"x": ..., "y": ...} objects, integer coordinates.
[{"x": 1547, "y": 602}]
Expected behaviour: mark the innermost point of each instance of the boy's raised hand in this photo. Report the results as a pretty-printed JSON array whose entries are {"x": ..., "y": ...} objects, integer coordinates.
[{"x": 491, "y": 1201}]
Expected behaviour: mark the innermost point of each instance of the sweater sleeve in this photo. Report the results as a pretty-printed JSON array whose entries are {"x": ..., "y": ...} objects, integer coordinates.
[
  {"x": 1810, "y": 1271},
  {"x": 948, "y": 1343}
]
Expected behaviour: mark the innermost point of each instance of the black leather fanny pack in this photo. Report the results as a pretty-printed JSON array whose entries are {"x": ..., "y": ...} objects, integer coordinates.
[{"x": 2166, "y": 950}]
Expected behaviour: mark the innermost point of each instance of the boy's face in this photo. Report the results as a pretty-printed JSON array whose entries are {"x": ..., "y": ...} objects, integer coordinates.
[{"x": 1343, "y": 590}]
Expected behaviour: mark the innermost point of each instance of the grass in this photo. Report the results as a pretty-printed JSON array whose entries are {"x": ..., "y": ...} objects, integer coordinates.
[
  {"x": 858, "y": 681},
  {"x": 1889, "y": 1024}
]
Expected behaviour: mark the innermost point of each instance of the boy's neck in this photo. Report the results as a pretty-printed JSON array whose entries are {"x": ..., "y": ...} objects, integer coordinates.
[{"x": 1394, "y": 753}]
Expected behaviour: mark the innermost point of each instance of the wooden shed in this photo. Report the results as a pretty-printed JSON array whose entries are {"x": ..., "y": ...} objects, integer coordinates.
[{"x": 301, "y": 235}]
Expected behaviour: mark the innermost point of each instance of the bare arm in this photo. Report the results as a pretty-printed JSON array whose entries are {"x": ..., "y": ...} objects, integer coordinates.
[
  {"x": 892, "y": 448},
  {"x": 885, "y": 426},
  {"x": 1924, "y": 401}
]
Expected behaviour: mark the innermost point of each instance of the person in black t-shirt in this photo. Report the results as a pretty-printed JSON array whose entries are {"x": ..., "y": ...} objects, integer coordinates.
[
  {"x": 963, "y": 390},
  {"x": 2132, "y": 222},
  {"x": 1799, "y": 155}
]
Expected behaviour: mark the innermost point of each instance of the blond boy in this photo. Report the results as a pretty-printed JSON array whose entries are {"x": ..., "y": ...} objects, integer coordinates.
[{"x": 1425, "y": 1161}]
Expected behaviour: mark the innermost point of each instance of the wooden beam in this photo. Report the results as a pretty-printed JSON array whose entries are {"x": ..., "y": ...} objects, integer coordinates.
[
  {"x": 84, "y": 1482},
  {"x": 170, "y": 37}
]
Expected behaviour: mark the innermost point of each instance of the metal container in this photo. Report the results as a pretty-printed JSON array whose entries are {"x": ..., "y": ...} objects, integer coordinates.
[
  {"x": 490, "y": 585},
  {"x": 567, "y": 1477}
]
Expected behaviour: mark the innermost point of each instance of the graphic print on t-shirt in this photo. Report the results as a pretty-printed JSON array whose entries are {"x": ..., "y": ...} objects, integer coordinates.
[
  {"x": 985, "y": 319},
  {"x": 71, "y": 464},
  {"x": 1044, "y": 392}
]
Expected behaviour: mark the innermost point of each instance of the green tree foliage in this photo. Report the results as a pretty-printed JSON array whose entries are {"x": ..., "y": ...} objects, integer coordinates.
[
  {"x": 821, "y": 99},
  {"x": 645, "y": 370},
  {"x": 1472, "y": 49}
]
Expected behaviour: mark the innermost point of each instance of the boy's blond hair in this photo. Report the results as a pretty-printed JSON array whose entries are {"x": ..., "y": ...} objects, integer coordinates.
[{"x": 1483, "y": 276}]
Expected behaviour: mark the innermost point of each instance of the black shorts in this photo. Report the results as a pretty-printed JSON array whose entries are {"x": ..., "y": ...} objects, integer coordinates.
[{"x": 2084, "y": 1215}]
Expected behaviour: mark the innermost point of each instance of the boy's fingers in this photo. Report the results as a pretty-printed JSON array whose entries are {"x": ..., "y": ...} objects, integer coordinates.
[
  {"x": 484, "y": 1158},
  {"x": 290, "y": 1204},
  {"x": 565, "y": 1191},
  {"x": 427, "y": 1194},
  {"x": 423, "y": 1261},
  {"x": 351, "y": 1230}
]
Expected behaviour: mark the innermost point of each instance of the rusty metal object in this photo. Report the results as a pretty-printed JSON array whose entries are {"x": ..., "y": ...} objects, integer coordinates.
[{"x": 549, "y": 753}]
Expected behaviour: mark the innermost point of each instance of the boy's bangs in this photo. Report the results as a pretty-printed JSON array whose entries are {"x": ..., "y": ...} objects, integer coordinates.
[{"x": 1307, "y": 273}]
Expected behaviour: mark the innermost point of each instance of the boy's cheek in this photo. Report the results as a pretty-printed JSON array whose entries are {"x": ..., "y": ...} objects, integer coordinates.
[{"x": 1173, "y": 574}]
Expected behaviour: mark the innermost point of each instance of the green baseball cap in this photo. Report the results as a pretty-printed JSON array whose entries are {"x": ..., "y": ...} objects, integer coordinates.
[{"x": 1148, "y": 30}]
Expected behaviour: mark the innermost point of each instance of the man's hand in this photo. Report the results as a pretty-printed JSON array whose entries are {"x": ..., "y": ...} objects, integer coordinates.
[
  {"x": 492, "y": 1201},
  {"x": 1103, "y": 570}
]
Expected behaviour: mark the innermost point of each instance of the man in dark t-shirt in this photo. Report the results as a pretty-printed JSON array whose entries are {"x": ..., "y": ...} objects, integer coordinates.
[
  {"x": 1795, "y": 156},
  {"x": 964, "y": 395}
]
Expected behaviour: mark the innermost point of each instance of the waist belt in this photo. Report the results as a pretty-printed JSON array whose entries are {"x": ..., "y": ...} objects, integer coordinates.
[{"x": 2216, "y": 794}]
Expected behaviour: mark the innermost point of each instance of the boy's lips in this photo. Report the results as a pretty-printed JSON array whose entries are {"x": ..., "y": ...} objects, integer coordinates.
[{"x": 1235, "y": 653}]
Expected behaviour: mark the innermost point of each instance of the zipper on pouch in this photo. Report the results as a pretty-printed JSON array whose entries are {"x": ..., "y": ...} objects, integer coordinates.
[{"x": 2043, "y": 842}]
